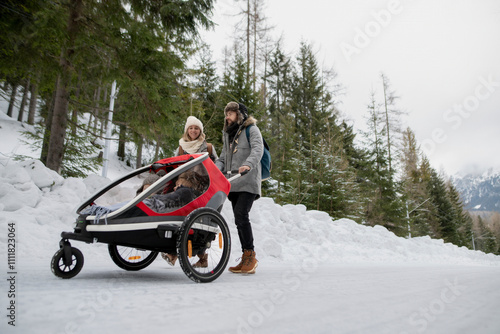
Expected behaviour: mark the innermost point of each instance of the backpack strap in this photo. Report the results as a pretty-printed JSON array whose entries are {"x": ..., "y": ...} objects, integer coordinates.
[
  {"x": 181, "y": 151},
  {"x": 247, "y": 130},
  {"x": 266, "y": 145},
  {"x": 209, "y": 148}
]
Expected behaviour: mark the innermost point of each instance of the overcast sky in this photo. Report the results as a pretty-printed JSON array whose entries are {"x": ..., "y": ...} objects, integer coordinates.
[{"x": 442, "y": 58}]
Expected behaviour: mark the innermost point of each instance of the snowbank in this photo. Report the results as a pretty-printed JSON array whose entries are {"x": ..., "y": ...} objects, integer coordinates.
[{"x": 42, "y": 204}]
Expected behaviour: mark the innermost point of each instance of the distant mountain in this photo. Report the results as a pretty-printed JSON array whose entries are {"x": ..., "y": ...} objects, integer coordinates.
[{"x": 480, "y": 192}]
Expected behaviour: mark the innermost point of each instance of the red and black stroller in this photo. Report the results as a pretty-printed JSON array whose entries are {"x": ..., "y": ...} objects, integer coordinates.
[{"x": 135, "y": 234}]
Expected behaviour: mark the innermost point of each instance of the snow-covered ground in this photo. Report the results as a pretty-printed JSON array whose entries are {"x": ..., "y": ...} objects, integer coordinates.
[{"x": 315, "y": 275}]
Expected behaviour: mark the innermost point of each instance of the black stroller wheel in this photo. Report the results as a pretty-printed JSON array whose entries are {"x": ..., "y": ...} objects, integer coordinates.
[
  {"x": 67, "y": 270},
  {"x": 132, "y": 259},
  {"x": 204, "y": 245}
]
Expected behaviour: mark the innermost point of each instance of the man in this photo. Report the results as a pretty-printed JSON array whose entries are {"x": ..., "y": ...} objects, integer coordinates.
[{"x": 242, "y": 150}]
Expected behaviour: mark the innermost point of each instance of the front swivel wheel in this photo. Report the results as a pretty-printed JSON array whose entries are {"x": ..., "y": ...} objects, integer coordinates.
[{"x": 67, "y": 262}]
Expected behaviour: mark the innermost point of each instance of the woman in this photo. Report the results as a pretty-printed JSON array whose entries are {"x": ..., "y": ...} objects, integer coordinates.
[{"x": 193, "y": 140}]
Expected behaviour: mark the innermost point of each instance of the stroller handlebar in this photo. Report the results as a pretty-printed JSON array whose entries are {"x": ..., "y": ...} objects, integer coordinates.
[{"x": 234, "y": 174}]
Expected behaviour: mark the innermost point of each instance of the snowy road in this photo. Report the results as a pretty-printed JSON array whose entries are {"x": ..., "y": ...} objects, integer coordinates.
[{"x": 333, "y": 298}]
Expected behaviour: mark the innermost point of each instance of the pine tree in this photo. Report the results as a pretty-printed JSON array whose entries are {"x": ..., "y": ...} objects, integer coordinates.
[
  {"x": 391, "y": 119},
  {"x": 483, "y": 237},
  {"x": 311, "y": 113},
  {"x": 414, "y": 187},
  {"x": 140, "y": 44},
  {"x": 463, "y": 220},
  {"x": 306, "y": 101},
  {"x": 310, "y": 122},
  {"x": 338, "y": 191},
  {"x": 58, "y": 125},
  {"x": 27, "y": 43},
  {"x": 359, "y": 169},
  {"x": 494, "y": 223},
  {"x": 426, "y": 220},
  {"x": 206, "y": 92},
  {"x": 279, "y": 127},
  {"x": 384, "y": 207},
  {"x": 235, "y": 87},
  {"x": 375, "y": 133},
  {"x": 253, "y": 30},
  {"x": 443, "y": 208}
]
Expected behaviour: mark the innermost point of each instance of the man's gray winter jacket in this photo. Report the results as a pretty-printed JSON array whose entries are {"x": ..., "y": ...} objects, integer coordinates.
[{"x": 247, "y": 154}]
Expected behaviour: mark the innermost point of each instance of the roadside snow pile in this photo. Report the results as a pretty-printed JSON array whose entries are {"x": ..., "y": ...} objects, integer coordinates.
[
  {"x": 292, "y": 233},
  {"x": 42, "y": 204}
]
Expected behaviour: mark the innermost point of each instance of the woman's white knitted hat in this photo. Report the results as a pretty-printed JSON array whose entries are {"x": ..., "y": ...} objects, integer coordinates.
[{"x": 191, "y": 120}]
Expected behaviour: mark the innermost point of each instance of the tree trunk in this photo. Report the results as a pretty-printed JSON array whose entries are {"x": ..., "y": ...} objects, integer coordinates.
[
  {"x": 58, "y": 126},
  {"x": 104, "y": 123},
  {"x": 46, "y": 135},
  {"x": 89, "y": 124},
  {"x": 32, "y": 106},
  {"x": 12, "y": 100},
  {"x": 388, "y": 128},
  {"x": 96, "y": 113},
  {"x": 74, "y": 113},
  {"x": 157, "y": 148},
  {"x": 20, "y": 116},
  {"x": 60, "y": 116},
  {"x": 254, "y": 42},
  {"x": 138, "y": 161},
  {"x": 121, "y": 142},
  {"x": 248, "y": 39}
]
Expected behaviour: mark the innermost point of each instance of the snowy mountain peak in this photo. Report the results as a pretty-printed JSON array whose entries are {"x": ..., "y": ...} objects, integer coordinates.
[{"x": 480, "y": 191}]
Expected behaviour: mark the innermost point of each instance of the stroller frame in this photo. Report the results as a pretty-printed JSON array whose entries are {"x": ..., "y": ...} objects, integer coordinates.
[{"x": 135, "y": 234}]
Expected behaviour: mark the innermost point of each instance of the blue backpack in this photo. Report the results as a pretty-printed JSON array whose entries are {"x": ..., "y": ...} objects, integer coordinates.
[{"x": 265, "y": 162}]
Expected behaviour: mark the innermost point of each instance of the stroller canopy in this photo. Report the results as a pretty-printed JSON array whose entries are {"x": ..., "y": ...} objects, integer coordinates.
[{"x": 217, "y": 182}]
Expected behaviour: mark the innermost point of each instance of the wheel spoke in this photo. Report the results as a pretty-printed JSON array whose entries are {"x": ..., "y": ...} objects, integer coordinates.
[{"x": 130, "y": 258}]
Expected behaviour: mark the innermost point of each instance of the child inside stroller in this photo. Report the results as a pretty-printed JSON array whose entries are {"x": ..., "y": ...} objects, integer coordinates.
[{"x": 185, "y": 221}]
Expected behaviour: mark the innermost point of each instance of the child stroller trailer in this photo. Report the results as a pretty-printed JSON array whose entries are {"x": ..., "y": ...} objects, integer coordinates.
[{"x": 135, "y": 234}]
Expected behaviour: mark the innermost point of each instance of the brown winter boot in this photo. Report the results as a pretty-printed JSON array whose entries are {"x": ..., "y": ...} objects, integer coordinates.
[
  {"x": 170, "y": 258},
  {"x": 250, "y": 262},
  {"x": 237, "y": 268},
  {"x": 202, "y": 262}
]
